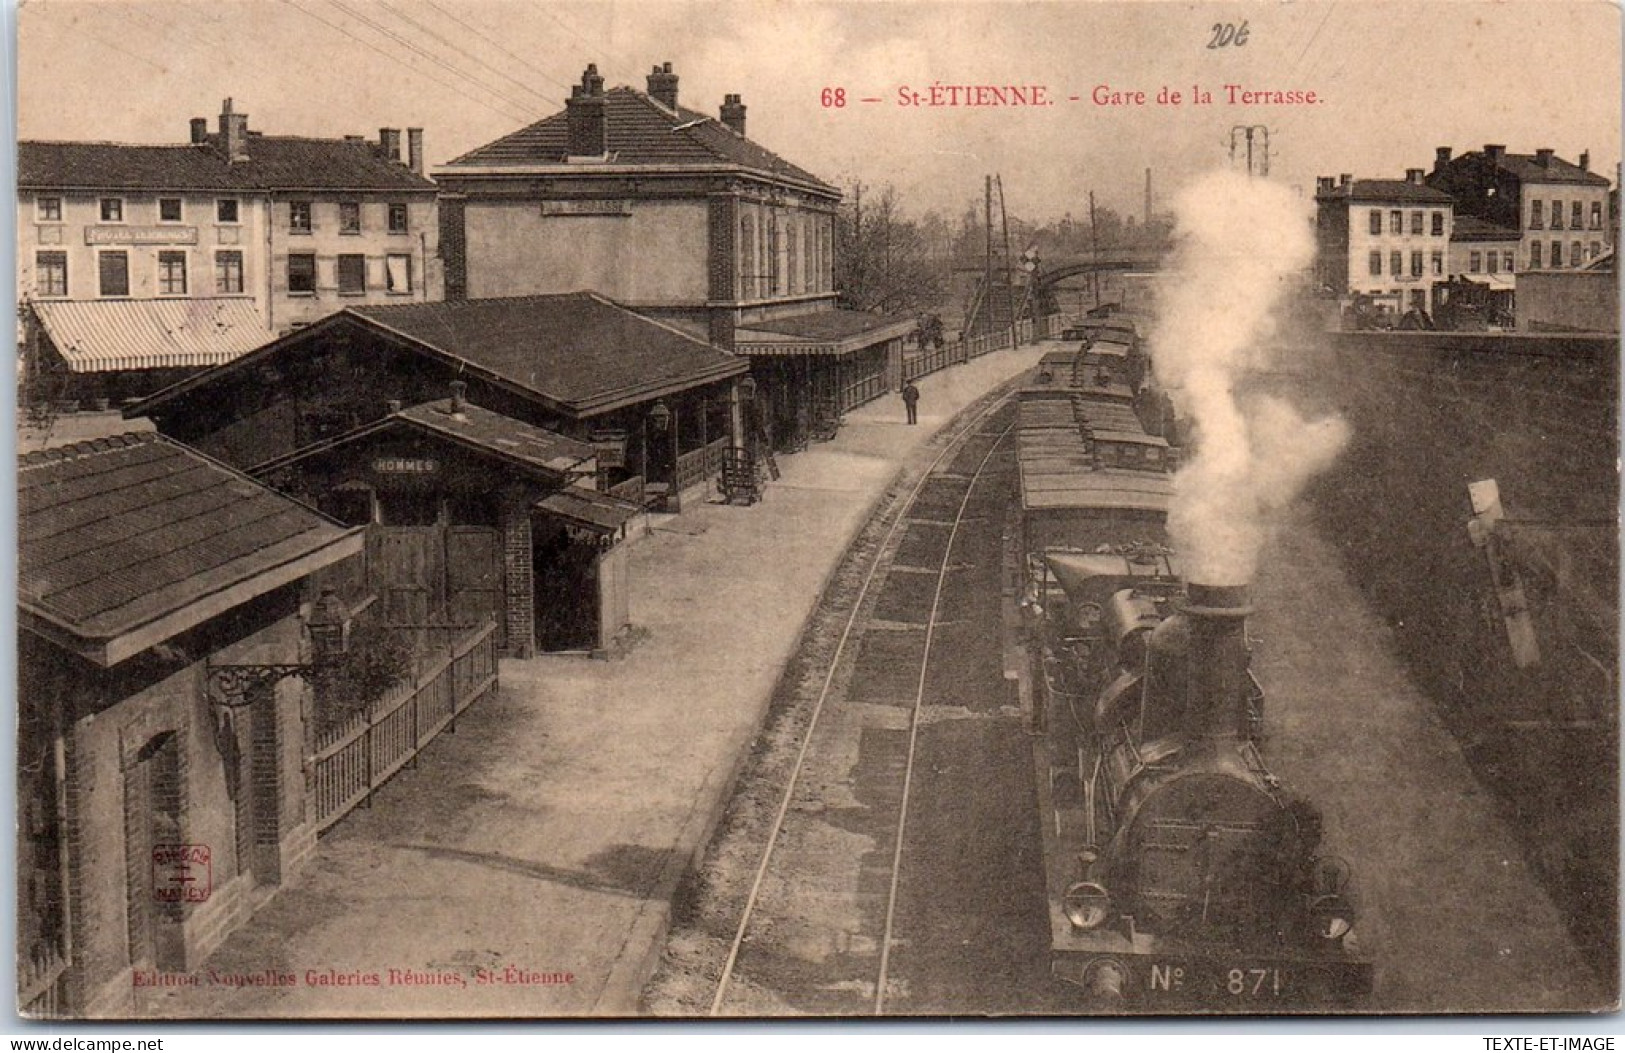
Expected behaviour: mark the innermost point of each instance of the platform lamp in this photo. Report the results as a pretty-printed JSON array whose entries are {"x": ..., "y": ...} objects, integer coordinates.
[{"x": 231, "y": 684}]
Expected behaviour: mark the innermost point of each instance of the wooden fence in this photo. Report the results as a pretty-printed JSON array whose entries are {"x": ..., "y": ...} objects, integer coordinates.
[
  {"x": 961, "y": 351},
  {"x": 355, "y": 758},
  {"x": 696, "y": 466}
]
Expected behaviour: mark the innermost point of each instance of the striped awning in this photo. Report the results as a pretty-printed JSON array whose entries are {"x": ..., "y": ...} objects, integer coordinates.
[{"x": 103, "y": 336}]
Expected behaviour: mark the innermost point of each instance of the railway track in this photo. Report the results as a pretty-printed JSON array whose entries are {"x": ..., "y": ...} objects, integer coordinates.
[{"x": 823, "y": 924}]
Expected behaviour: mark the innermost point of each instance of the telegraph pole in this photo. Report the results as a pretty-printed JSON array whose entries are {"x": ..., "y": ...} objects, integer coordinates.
[
  {"x": 1256, "y": 166},
  {"x": 987, "y": 255},
  {"x": 1094, "y": 240},
  {"x": 1009, "y": 276}
]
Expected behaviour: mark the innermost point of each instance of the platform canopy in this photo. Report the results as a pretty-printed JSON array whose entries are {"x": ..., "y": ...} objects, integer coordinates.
[{"x": 827, "y": 332}]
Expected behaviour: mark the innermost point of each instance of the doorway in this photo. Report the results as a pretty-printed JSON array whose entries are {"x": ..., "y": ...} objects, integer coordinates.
[{"x": 566, "y": 589}]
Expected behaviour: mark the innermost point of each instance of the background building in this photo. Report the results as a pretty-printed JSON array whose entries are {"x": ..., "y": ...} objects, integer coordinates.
[
  {"x": 1387, "y": 240},
  {"x": 137, "y": 259},
  {"x": 1559, "y": 209},
  {"x": 678, "y": 215}
]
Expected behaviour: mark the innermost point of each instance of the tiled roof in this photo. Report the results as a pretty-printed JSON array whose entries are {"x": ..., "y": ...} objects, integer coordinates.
[
  {"x": 95, "y": 336},
  {"x": 578, "y": 350},
  {"x": 600, "y": 512},
  {"x": 640, "y": 131},
  {"x": 504, "y": 436},
  {"x": 1471, "y": 228},
  {"x": 834, "y": 324},
  {"x": 116, "y": 534},
  {"x": 1396, "y": 190},
  {"x": 274, "y": 163},
  {"x": 1527, "y": 168}
]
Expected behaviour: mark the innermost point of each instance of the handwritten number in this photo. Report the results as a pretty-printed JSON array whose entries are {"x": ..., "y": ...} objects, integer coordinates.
[
  {"x": 833, "y": 98},
  {"x": 1228, "y": 34}
]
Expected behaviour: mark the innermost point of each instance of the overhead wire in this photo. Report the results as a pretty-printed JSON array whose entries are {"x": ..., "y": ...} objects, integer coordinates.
[
  {"x": 452, "y": 44},
  {"x": 521, "y": 105},
  {"x": 498, "y": 45}
]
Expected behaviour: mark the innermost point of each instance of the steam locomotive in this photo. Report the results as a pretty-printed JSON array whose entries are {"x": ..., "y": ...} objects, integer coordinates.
[{"x": 1182, "y": 876}]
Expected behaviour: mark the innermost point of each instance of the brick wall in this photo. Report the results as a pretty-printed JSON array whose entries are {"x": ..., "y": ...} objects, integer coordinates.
[
  {"x": 454, "y": 246},
  {"x": 518, "y": 577}
]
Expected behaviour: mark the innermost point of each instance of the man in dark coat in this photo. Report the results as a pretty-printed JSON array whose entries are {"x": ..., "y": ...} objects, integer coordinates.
[{"x": 911, "y": 399}]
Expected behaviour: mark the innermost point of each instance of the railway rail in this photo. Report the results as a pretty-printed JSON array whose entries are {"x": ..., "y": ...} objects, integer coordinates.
[{"x": 903, "y": 600}]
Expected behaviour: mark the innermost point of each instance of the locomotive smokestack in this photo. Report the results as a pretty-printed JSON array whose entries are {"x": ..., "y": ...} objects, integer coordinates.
[{"x": 1217, "y": 703}]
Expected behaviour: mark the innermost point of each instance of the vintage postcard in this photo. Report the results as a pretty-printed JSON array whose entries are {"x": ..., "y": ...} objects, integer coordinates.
[{"x": 795, "y": 508}]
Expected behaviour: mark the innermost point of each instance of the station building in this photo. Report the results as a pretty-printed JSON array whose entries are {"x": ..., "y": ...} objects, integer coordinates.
[
  {"x": 155, "y": 809},
  {"x": 498, "y": 450},
  {"x": 678, "y": 215}
]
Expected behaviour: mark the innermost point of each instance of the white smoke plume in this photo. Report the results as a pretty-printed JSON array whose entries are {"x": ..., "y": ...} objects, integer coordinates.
[{"x": 1240, "y": 243}]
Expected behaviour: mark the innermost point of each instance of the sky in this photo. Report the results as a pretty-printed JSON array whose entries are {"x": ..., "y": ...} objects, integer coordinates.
[{"x": 1393, "y": 79}]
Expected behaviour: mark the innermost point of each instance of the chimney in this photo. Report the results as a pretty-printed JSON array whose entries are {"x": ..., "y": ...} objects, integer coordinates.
[
  {"x": 1346, "y": 182},
  {"x": 355, "y": 138},
  {"x": 1543, "y": 157},
  {"x": 1441, "y": 158},
  {"x": 392, "y": 406},
  {"x": 584, "y": 116},
  {"x": 459, "y": 391},
  {"x": 389, "y": 143},
  {"x": 200, "y": 130},
  {"x": 233, "y": 133},
  {"x": 1585, "y": 160},
  {"x": 663, "y": 86},
  {"x": 1494, "y": 152},
  {"x": 1324, "y": 184},
  {"x": 1413, "y": 176},
  {"x": 1217, "y": 699},
  {"x": 733, "y": 113},
  {"x": 414, "y": 150}
]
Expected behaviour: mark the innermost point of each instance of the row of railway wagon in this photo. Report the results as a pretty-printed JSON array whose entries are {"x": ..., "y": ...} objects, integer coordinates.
[{"x": 1182, "y": 876}]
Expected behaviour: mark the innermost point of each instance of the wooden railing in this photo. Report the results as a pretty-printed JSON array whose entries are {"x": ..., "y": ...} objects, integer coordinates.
[
  {"x": 964, "y": 350},
  {"x": 39, "y": 982},
  {"x": 355, "y": 758},
  {"x": 861, "y": 390},
  {"x": 696, "y": 466}
]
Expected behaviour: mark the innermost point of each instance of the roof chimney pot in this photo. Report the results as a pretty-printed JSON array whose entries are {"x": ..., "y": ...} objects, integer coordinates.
[
  {"x": 733, "y": 113},
  {"x": 663, "y": 86},
  {"x": 200, "y": 130},
  {"x": 1543, "y": 157},
  {"x": 233, "y": 133},
  {"x": 584, "y": 116}
]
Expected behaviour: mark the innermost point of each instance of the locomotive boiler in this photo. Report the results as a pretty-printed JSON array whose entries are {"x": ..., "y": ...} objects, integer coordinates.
[{"x": 1182, "y": 874}]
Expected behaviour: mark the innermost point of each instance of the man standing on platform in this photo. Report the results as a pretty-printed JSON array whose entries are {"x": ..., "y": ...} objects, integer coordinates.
[{"x": 911, "y": 399}]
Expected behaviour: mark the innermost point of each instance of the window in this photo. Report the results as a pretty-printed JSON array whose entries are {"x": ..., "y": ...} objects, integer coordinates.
[
  {"x": 1535, "y": 213},
  {"x": 747, "y": 257},
  {"x": 1492, "y": 262},
  {"x": 398, "y": 271},
  {"x": 772, "y": 231},
  {"x": 299, "y": 217},
  {"x": 1438, "y": 263},
  {"x": 1396, "y": 264},
  {"x": 1416, "y": 260},
  {"x": 349, "y": 217},
  {"x": 301, "y": 272},
  {"x": 112, "y": 210},
  {"x": 1534, "y": 255},
  {"x": 51, "y": 273},
  {"x": 352, "y": 274},
  {"x": 1376, "y": 221},
  {"x": 228, "y": 272},
  {"x": 1596, "y": 215},
  {"x": 1557, "y": 215},
  {"x": 172, "y": 274},
  {"x": 1574, "y": 254},
  {"x": 1595, "y": 250},
  {"x": 114, "y": 273},
  {"x": 1438, "y": 224},
  {"x": 792, "y": 260},
  {"x": 49, "y": 209},
  {"x": 1474, "y": 261},
  {"x": 1574, "y": 214},
  {"x": 1376, "y": 264},
  {"x": 397, "y": 218},
  {"x": 1416, "y": 222},
  {"x": 1557, "y": 254},
  {"x": 169, "y": 210},
  {"x": 1396, "y": 222},
  {"x": 225, "y": 210},
  {"x": 1506, "y": 261}
]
